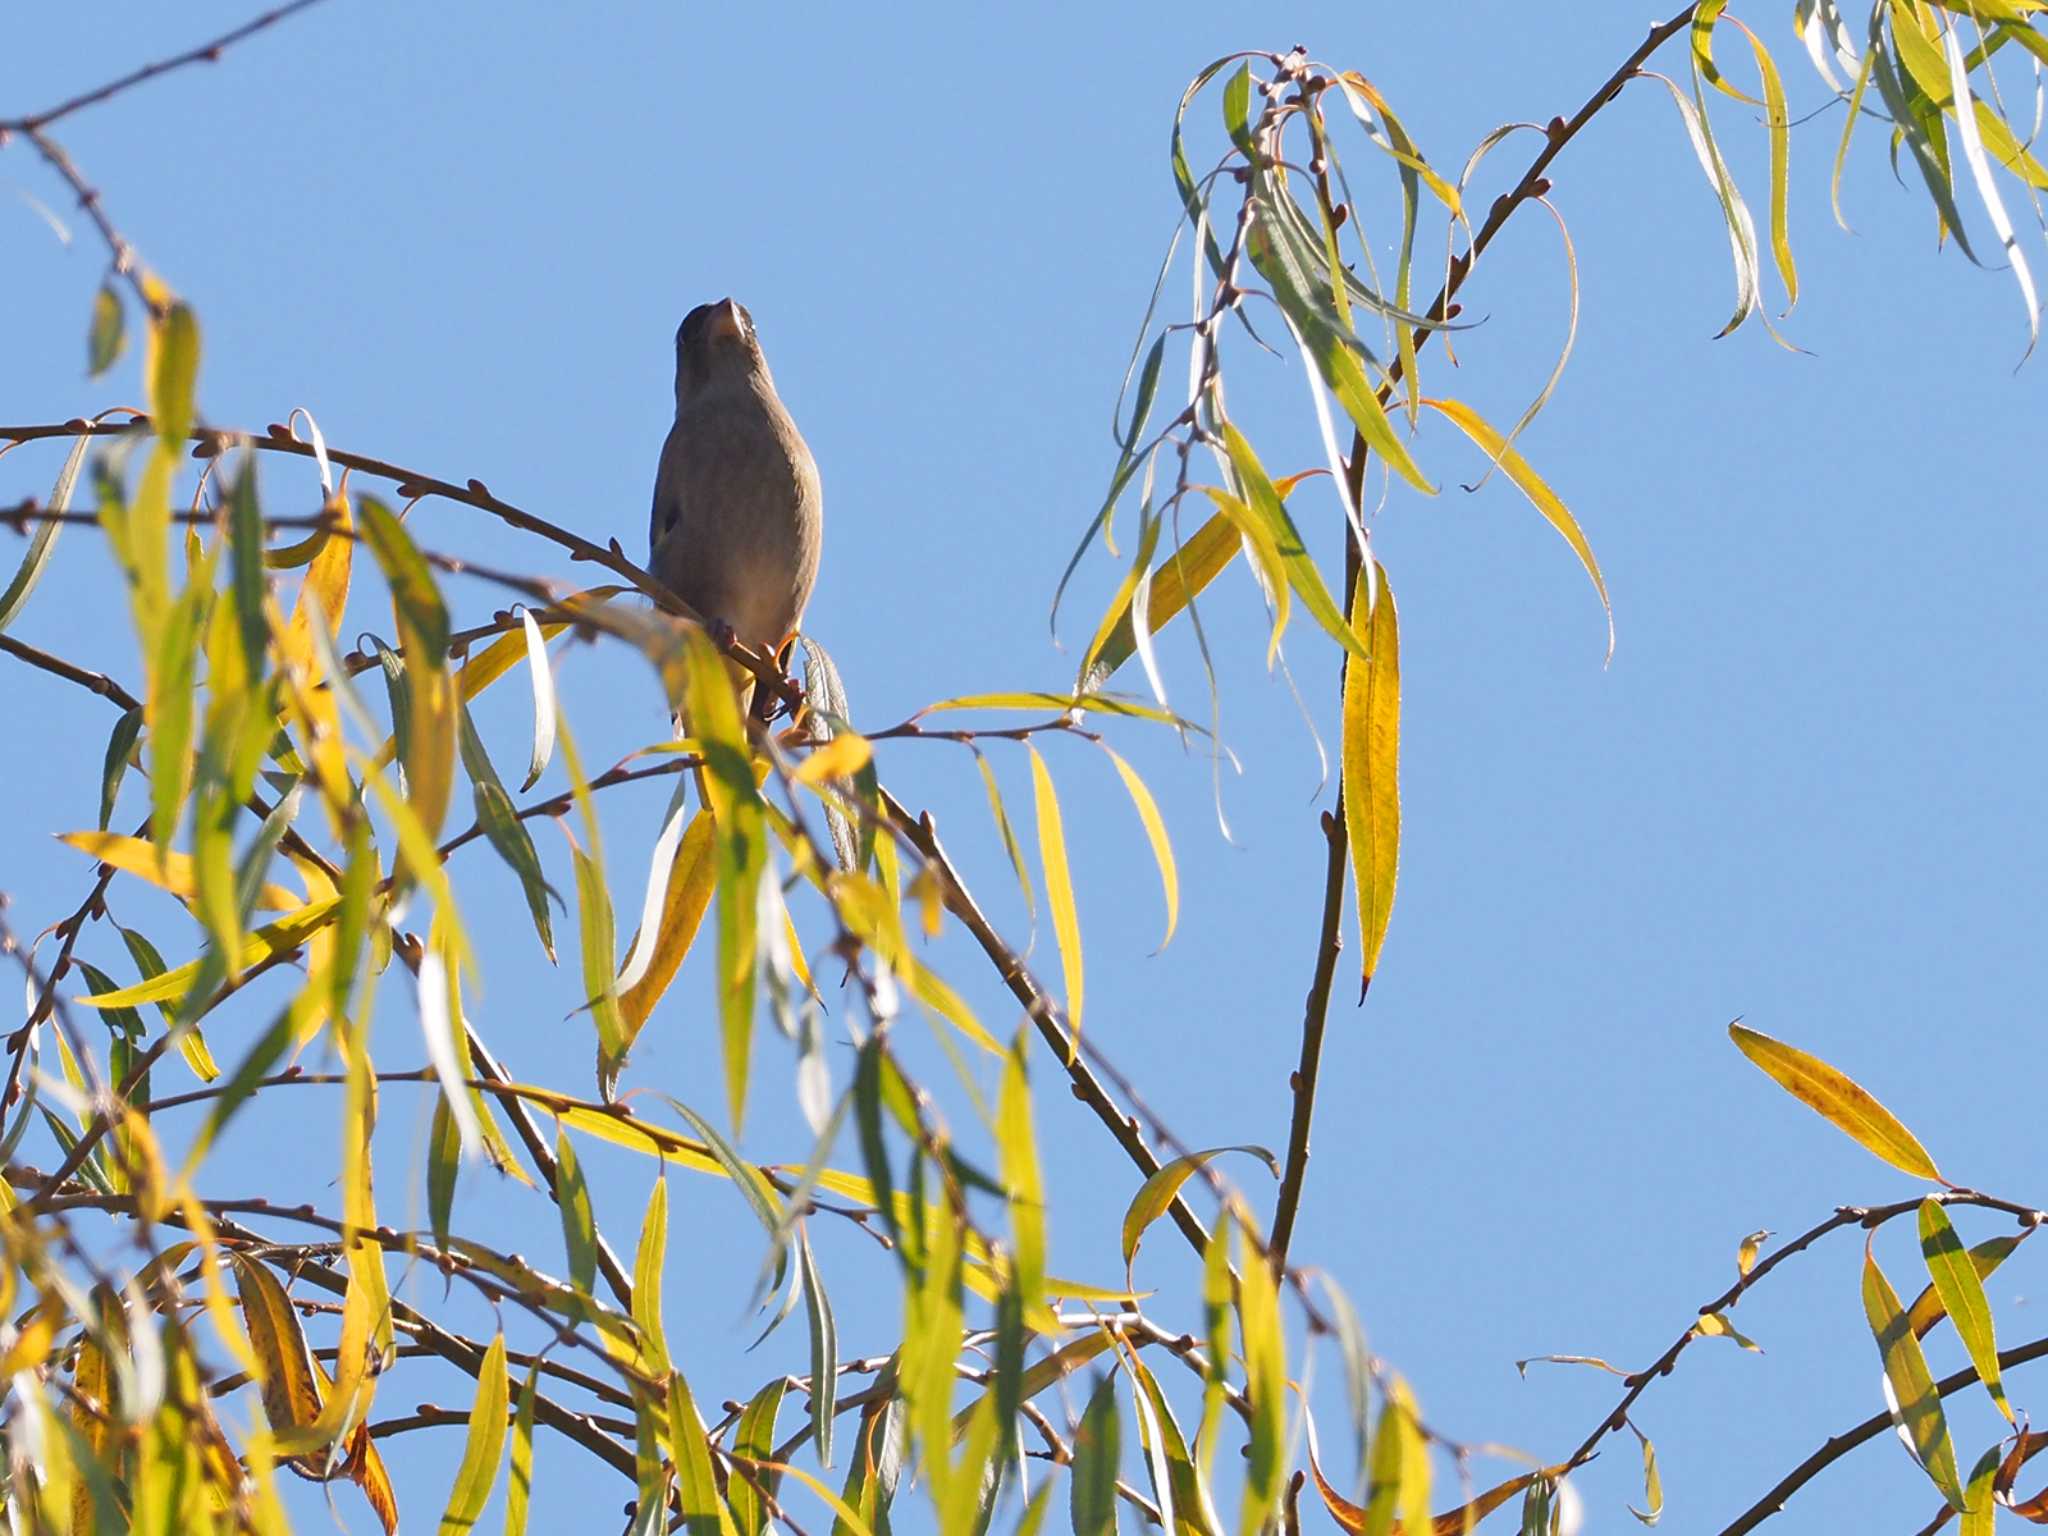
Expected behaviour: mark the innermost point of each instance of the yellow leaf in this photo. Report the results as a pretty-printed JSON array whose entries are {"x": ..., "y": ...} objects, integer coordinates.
[
  {"x": 691, "y": 880},
  {"x": 286, "y": 933},
  {"x": 1155, "y": 832},
  {"x": 1532, "y": 485},
  {"x": 840, "y": 758},
  {"x": 169, "y": 871},
  {"x": 1059, "y": 884},
  {"x": 1372, "y": 758},
  {"x": 1912, "y": 1384},
  {"x": 1838, "y": 1099}
]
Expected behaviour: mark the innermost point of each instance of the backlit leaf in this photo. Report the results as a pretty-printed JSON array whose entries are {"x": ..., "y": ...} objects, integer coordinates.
[
  {"x": 483, "y": 1446},
  {"x": 1372, "y": 761},
  {"x": 1059, "y": 885},
  {"x": 1962, "y": 1296},
  {"x": 1905, "y": 1367},
  {"x": 1838, "y": 1099}
]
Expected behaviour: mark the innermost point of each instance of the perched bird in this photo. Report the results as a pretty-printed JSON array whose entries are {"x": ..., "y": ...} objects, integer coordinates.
[{"x": 738, "y": 514}]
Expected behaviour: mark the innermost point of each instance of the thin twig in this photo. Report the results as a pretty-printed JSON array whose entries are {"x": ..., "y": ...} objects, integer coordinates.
[{"x": 205, "y": 53}]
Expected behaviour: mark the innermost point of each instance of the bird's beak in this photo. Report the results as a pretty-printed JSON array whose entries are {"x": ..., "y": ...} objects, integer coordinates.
[{"x": 724, "y": 323}]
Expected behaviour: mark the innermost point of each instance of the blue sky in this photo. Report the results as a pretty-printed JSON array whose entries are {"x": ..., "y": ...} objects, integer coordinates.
[{"x": 1804, "y": 791}]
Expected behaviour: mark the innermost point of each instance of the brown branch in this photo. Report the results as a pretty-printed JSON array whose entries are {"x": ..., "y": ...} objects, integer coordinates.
[
  {"x": 1868, "y": 1217},
  {"x": 205, "y": 53},
  {"x": 1045, "y": 1014},
  {"x": 210, "y": 442},
  {"x": 1837, "y": 1446},
  {"x": 1531, "y": 186}
]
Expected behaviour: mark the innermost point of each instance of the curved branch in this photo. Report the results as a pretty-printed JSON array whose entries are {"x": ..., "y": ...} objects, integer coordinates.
[{"x": 1838, "y": 1446}]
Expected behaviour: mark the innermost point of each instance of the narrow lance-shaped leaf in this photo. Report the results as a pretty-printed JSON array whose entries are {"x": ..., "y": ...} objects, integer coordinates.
[
  {"x": 1653, "y": 1484},
  {"x": 423, "y": 630},
  {"x": 478, "y": 1471},
  {"x": 1839, "y": 1099},
  {"x": 1302, "y": 574},
  {"x": 1372, "y": 760},
  {"x": 1097, "y": 1464},
  {"x": 1962, "y": 1296},
  {"x": 506, "y": 833},
  {"x": 824, "y": 1348},
  {"x": 742, "y": 854},
  {"x": 754, "y": 1439},
  {"x": 1265, "y": 1364},
  {"x": 107, "y": 337},
  {"x": 1927, "y": 1309},
  {"x": 519, "y": 1479},
  {"x": 44, "y": 540},
  {"x": 1912, "y": 1384},
  {"x": 1155, "y": 834},
  {"x": 647, "y": 1262},
  {"x": 579, "y": 1225},
  {"x": 692, "y": 879},
  {"x": 1533, "y": 486},
  {"x": 1155, "y": 1196},
  {"x": 1018, "y": 1145},
  {"x": 704, "y": 1510},
  {"x": 543, "y": 699},
  {"x": 1059, "y": 885}
]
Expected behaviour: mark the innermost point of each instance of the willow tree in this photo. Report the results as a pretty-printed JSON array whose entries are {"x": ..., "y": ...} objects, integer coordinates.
[{"x": 177, "y": 1337}]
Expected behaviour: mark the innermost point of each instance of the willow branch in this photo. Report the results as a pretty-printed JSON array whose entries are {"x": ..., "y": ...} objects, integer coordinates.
[
  {"x": 1838, "y": 1446},
  {"x": 1531, "y": 186},
  {"x": 205, "y": 53}
]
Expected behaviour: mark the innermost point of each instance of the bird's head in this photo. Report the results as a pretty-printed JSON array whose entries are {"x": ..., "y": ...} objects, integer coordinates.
[{"x": 715, "y": 344}]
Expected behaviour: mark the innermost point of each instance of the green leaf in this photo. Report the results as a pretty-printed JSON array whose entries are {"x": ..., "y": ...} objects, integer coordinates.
[
  {"x": 251, "y": 580},
  {"x": 175, "y": 374},
  {"x": 1018, "y": 1146},
  {"x": 1985, "y": 1257},
  {"x": 107, "y": 337},
  {"x": 1302, "y": 573},
  {"x": 1098, "y": 1461},
  {"x": 1962, "y": 1296},
  {"x": 1237, "y": 103},
  {"x": 44, "y": 539},
  {"x": 647, "y": 1263},
  {"x": 1155, "y": 1196},
  {"x": 519, "y": 1481},
  {"x": 120, "y": 747},
  {"x": 1838, "y": 1099},
  {"x": 169, "y": 706},
  {"x": 429, "y": 754},
  {"x": 704, "y": 1511},
  {"x": 579, "y": 1225},
  {"x": 506, "y": 832},
  {"x": 1905, "y": 1367},
  {"x": 1059, "y": 885},
  {"x": 1265, "y": 1366},
  {"x": 485, "y": 1444},
  {"x": 1178, "y": 1488},
  {"x": 824, "y": 1348},
  {"x": 1372, "y": 761},
  {"x": 444, "y": 1164},
  {"x": 594, "y": 923},
  {"x": 754, "y": 1440}
]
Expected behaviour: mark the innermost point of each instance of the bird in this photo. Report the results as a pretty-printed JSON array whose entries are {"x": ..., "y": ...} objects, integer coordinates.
[{"x": 738, "y": 517}]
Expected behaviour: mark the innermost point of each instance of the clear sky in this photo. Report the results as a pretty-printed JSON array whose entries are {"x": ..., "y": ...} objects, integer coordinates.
[{"x": 1806, "y": 791}]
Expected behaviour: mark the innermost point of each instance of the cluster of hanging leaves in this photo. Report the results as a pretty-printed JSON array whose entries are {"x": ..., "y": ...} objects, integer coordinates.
[{"x": 308, "y": 822}]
